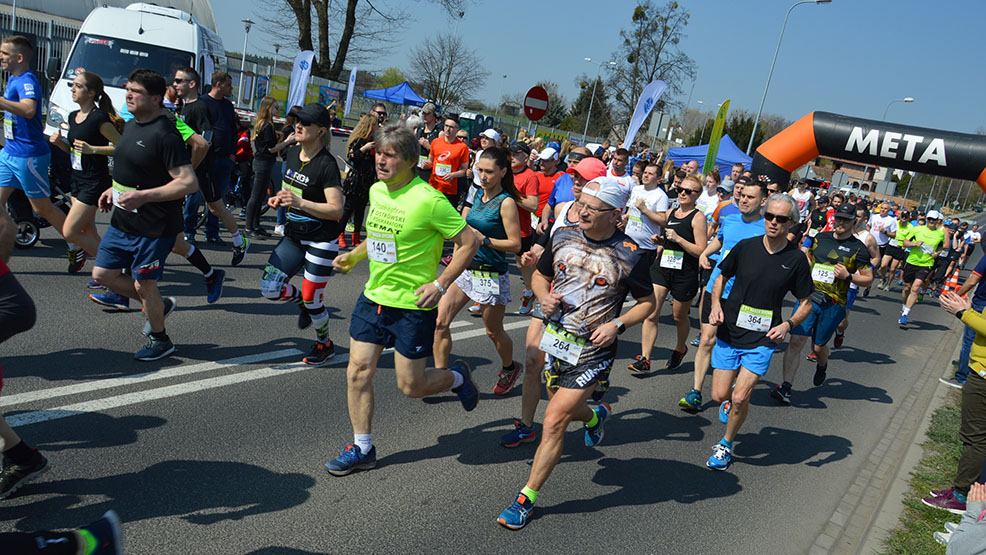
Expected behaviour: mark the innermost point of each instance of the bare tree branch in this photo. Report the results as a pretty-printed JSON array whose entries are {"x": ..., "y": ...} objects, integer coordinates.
[{"x": 447, "y": 70}]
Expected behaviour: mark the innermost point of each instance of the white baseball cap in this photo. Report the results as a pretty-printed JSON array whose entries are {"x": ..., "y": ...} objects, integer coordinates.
[
  {"x": 610, "y": 192},
  {"x": 491, "y": 134},
  {"x": 548, "y": 154},
  {"x": 934, "y": 214}
]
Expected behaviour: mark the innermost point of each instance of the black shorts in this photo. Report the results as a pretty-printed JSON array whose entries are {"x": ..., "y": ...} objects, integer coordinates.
[
  {"x": 410, "y": 332},
  {"x": 912, "y": 272},
  {"x": 883, "y": 249},
  {"x": 87, "y": 192},
  {"x": 969, "y": 249},
  {"x": 585, "y": 374},
  {"x": 683, "y": 284},
  {"x": 896, "y": 253},
  {"x": 525, "y": 244},
  {"x": 706, "y": 306}
]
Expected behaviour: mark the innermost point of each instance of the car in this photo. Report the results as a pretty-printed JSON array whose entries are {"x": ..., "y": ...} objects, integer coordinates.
[{"x": 977, "y": 208}]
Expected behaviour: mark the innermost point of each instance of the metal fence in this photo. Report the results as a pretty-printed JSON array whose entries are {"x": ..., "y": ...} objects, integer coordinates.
[{"x": 50, "y": 39}]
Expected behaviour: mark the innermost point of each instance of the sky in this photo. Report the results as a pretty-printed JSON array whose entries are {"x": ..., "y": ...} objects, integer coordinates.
[{"x": 849, "y": 57}]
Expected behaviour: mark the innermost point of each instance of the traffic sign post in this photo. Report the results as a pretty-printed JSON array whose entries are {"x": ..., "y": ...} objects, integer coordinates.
[{"x": 536, "y": 103}]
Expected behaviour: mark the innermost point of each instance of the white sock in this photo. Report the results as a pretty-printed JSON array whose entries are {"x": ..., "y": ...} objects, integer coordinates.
[
  {"x": 237, "y": 239},
  {"x": 364, "y": 442},
  {"x": 458, "y": 379},
  {"x": 72, "y": 246},
  {"x": 906, "y": 311}
]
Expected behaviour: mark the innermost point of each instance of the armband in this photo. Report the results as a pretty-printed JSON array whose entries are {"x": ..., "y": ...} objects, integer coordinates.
[{"x": 438, "y": 286}]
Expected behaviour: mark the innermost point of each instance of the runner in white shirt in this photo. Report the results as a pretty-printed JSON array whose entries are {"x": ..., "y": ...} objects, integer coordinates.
[
  {"x": 648, "y": 202},
  {"x": 804, "y": 198},
  {"x": 883, "y": 228},
  {"x": 487, "y": 139},
  {"x": 971, "y": 238},
  {"x": 709, "y": 199}
]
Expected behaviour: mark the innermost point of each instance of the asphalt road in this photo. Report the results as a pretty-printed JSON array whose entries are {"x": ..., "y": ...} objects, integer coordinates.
[{"x": 219, "y": 449}]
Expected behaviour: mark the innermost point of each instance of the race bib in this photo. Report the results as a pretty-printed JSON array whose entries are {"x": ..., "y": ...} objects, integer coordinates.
[
  {"x": 894, "y": 243},
  {"x": 672, "y": 259},
  {"x": 441, "y": 170},
  {"x": 486, "y": 283},
  {"x": 534, "y": 222},
  {"x": 422, "y": 162},
  {"x": 76, "y": 159},
  {"x": 754, "y": 319},
  {"x": 381, "y": 246},
  {"x": 560, "y": 344},
  {"x": 823, "y": 273},
  {"x": 927, "y": 249},
  {"x": 295, "y": 190},
  {"x": 8, "y": 127},
  {"x": 119, "y": 190},
  {"x": 812, "y": 233}
]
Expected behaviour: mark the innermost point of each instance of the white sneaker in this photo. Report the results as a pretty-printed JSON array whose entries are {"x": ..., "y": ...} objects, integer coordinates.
[
  {"x": 476, "y": 309},
  {"x": 526, "y": 302},
  {"x": 279, "y": 230}
]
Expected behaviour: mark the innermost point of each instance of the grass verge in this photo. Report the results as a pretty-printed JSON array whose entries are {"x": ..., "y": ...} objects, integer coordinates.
[{"x": 935, "y": 471}]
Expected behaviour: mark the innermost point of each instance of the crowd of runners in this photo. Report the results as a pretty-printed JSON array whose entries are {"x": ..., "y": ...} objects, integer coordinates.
[{"x": 587, "y": 231}]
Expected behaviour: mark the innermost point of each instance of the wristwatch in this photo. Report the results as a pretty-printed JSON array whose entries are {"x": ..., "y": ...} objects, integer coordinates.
[
  {"x": 959, "y": 314},
  {"x": 486, "y": 241},
  {"x": 620, "y": 326}
]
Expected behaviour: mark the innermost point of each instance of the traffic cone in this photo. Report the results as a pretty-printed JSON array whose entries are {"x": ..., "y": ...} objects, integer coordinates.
[{"x": 952, "y": 283}]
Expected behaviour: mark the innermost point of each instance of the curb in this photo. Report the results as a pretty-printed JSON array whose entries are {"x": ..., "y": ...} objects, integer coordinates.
[{"x": 873, "y": 503}]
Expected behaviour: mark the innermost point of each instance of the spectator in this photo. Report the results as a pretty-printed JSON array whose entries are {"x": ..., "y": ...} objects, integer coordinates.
[
  {"x": 970, "y": 536},
  {"x": 266, "y": 149},
  {"x": 362, "y": 174},
  {"x": 428, "y": 132}
]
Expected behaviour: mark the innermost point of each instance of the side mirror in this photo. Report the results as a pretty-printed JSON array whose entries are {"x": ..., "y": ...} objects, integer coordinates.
[{"x": 53, "y": 69}]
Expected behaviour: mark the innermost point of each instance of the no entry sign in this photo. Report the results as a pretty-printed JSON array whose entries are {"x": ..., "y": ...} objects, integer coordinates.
[{"x": 536, "y": 103}]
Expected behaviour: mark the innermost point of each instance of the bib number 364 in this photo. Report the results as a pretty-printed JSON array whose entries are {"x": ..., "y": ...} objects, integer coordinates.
[{"x": 754, "y": 319}]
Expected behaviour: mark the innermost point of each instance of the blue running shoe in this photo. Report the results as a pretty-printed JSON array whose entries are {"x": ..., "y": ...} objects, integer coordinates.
[
  {"x": 96, "y": 285},
  {"x": 520, "y": 434},
  {"x": 721, "y": 457},
  {"x": 170, "y": 304},
  {"x": 350, "y": 459},
  {"x": 108, "y": 533},
  {"x": 112, "y": 300},
  {"x": 903, "y": 320},
  {"x": 515, "y": 516},
  {"x": 724, "y": 411},
  {"x": 594, "y": 435},
  {"x": 692, "y": 401},
  {"x": 467, "y": 392},
  {"x": 214, "y": 286}
]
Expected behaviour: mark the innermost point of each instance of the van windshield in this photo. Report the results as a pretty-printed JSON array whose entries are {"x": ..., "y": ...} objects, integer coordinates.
[{"x": 113, "y": 59}]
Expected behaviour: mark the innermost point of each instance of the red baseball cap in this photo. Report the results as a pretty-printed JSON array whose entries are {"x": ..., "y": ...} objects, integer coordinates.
[{"x": 588, "y": 168}]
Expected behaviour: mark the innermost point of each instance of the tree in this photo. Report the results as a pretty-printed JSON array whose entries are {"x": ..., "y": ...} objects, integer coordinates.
[
  {"x": 738, "y": 126},
  {"x": 602, "y": 113},
  {"x": 448, "y": 71},
  {"x": 390, "y": 77},
  {"x": 557, "y": 105},
  {"x": 650, "y": 51}
]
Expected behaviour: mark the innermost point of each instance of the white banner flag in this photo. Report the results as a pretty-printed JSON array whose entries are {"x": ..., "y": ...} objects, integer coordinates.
[
  {"x": 646, "y": 102},
  {"x": 299, "y": 78},
  {"x": 349, "y": 93}
]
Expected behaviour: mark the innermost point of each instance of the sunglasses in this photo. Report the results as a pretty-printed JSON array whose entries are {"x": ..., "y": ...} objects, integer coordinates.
[
  {"x": 681, "y": 190},
  {"x": 179, "y": 80},
  {"x": 381, "y": 114},
  {"x": 770, "y": 217}
]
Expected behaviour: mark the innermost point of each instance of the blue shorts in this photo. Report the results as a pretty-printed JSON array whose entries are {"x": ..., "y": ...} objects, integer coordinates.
[
  {"x": 755, "y": 359},
  {"x": 143, "y": 255},
  {"x": 410, "y": 332},
  {"x": 27, "y": 174},
  {"x": 822, "y": 321},
  {"x": 851, "y": 297}
]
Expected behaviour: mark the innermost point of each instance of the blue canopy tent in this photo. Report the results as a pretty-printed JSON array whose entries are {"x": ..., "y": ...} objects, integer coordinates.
[
  {"x": 398, "y": 94},
  {"x": 728, "y": 155}
]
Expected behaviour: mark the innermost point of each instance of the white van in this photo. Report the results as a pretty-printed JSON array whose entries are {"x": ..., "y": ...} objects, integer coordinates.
[{"x": 112, "y": 42}]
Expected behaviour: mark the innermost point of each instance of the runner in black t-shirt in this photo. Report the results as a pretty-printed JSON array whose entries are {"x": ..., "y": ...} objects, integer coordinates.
[
  {"x": 151, "y": 174},
  {"x": 312, "y": 193},
  {"x": 428, "y": 132},
  {"x": 91, "y": 129},
  {"x": 766, "y": 268}
]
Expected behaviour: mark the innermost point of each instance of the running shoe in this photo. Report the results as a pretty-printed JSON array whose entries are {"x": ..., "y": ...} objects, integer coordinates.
[
  {"x": 520, "y": 434},
  {"x": 819, "y": 377},
  {"x": 215, "y": 240},
  {"x": 304, "y": 319},
  {"x": 108, "y": 533},
  {"x": 594, "y": 435},
  {"x": 920, "y": 297},
  {"x": 952, "y": 382},
  {"x": 76, "y": 260},
  {"x": 697, "y": 341},
  {"x": 602, "y": 386},
  {"x": 279, "y": 230},
  {"x": 942, "y": 537},
  {"x": 724, "y": 409},
  {"x": 190, "y": 237},
  {"x": 467, "y": 392},
  {"x": 95, "y": 285},
  {"x": 342, "y": 240},
  {"x": 947, "y": 502},
  {"x": 445, "y": 260},
  {"x": 811, "y": 357},
  {"x": 14, "y": 476},
  {"x": 721, "y": 457},
  {"x": 866, "y": 292},
  {"x": 692, "y": 401},
  {"x": 639, "y": 365},
  {"x": 839, "y": 339},
  {"x": 476, "y": 309},
  {"x": 112, "y": 300},
  {"x": 356, "y": 239},
  {"x": 782, "y": 393},
  {"x": 526, "y": 302},
  {"x": 676, "y": 358},
  {"x": 951, "y": 527},
  {"x": 350, "y": 459},
  {"x": 505, "y": 380},
  {"x": 321, "y": 354},
  {"x": 902, "y": 321},
  {"x": 214, "y": 286},
  {"x": 350, "y": 227},
  {"x": 155, "y": 350},
  {"x": 516, "y": 515},
  {"x": 240, "y": 251},
  {"x": 170, "y": 304}
]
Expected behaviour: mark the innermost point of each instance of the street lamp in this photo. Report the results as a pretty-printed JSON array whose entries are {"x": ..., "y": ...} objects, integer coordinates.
[
  {"x": 499, "y": 98},
  {"x": 247, "y": 23},
  {"x": 763, "y": 99},
  {"x": 593, "y": 97},
  {"x": 905, "y": 99}
]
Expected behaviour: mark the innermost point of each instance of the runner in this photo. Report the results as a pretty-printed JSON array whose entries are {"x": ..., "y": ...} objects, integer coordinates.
[
  {"x": 804, "y": 198},
  {"x": 25, "y": 156},
  {"x": 861, "y": 233},
  {"x": 709, "y": 198},
  {"x": 894, "y": 254},
  {"x": 152, "y": 172},
  {"x": 971, "y": 239},
  {"x": 582, "y": 279},
  {"x": 428, "y": 132},
  {"x": 492, "y": 216},
  {"x": 527, "y": 184},
  {"x": 646, "y": 213},
  {"x": 448, "y": 160},
  {"x": 838, "y": 258},
  {"x": 312, "y": 194},
  {"x": 676, "y": 272},
  {"x": 407, "y": 224},
  {"x": 765, "y": 270},
  {"x": 925, "y": 243},
  {"x": 487, "y": 139},
  {"x": 566, "y": 215},
  {"x": 91, "y": 129},
  {"x": 734, "y": 228}
]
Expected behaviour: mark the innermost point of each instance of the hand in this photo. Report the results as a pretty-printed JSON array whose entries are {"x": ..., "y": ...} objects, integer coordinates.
[
  {"x": 290, "y": 139},
  {"x": 105, "y": 201},
  {"x": 424, "y": 142},
  {"x": 428, "y": 296},
  {"x": 952, "y": 303},
  {"x": 344, "y": 263},
  {"x": 670, "y": 235},
  {"x": 841, "y": 272},
  {"x": 273, "y": 202},
  {"x": 531, "y": 257},
  {"x": 550, "y": 304},
  {"x": 479, "y": 236},
  {"x": 704, "y": 262},
  {"x": 778, "y": 332},
  {"x": 604, "y": 335},
  {"x": 55, "y": 137},
  {"x": 83, "y": 147},
  {"x": 286, "y": 199},
  {"x": 533, "y": 157},
  {"x": 716, "y": 316},
  {"x": 542, "y": 226},
  {"x": 977, "y": 493},
  {"x": 131, "y": 200},
  {"x": 370, "y": 145},
  {"x": 640, "y": 204}
]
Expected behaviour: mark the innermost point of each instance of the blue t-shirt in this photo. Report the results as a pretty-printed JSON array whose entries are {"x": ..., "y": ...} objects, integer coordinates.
[
  {"x": 28, "y": 137},
  {"x": 979, "y": 297},
  {"x": 732, "y": 230},
  {"x": 562, "y": 191}
]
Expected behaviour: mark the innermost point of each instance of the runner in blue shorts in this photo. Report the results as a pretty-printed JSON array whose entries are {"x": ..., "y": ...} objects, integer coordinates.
[{"x": 750, "y": 324}]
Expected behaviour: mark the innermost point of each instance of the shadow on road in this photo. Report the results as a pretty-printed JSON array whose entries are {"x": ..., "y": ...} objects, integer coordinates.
[
  {"x": 97, "y": 430},
  {"x": 834, "y": 388},
  {"x": 776, "y": 446},
  {"x": 281, "y": 550},
  {"x": 848, "y": 353}
]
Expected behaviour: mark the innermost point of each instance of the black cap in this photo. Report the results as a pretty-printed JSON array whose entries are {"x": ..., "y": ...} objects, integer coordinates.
[
  {"x": 846, "y": 210},
  {"x": 824, "y": 199},
  {"x": 520, "y": 147},
  {"x": 315, "y": 113}
]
